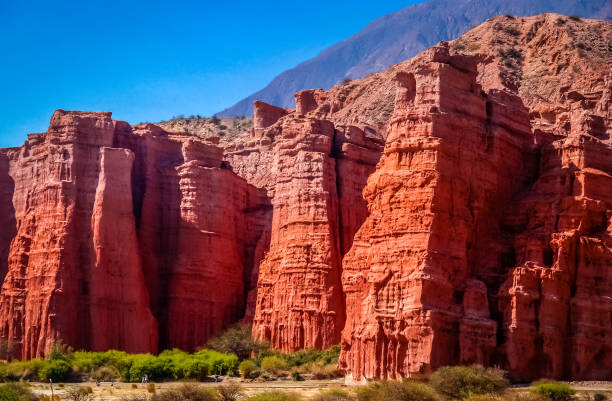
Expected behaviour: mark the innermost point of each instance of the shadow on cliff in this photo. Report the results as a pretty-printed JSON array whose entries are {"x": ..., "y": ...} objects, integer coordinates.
[{"x": 7, "y": 215}]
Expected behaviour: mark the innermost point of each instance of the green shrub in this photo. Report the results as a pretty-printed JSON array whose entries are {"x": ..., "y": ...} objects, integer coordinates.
[
  {"x": 295, "y": 375},
  {"x": 391, "y": 390},
  {"x": 248, "y": 369},
  {"x": 60, "y": 351},
  {"x": 23, "y": 370},
  {"x": 273, "y": 364},
  {"x": 230, "y": 391},
  {"x": 554, "y": 391},
  {"x": 333, "y": 395},
  {"x": 275, "y": 396},
  {"x": 460, "y": 382},
  {"x": 149, "y": 365},
  {"x": 310, "y": 355},
  {"x": 16, "y": 392},
  {"x": 236, "y": 340},
  {"x": 56, "y": 370},
  {"x": 220, "y": 364}
]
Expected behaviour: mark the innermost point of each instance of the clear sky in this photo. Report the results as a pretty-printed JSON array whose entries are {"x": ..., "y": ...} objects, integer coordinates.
[{"x": 152, "y": 60}]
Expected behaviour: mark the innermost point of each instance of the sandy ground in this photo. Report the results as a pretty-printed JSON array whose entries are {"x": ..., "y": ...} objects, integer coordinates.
[
  {"x": 120, "y": 390},
  {"x": 305, "y": 388}
]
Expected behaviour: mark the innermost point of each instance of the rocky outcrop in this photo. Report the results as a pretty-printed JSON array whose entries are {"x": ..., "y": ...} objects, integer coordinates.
[
  {"x": 101, "y": 210},
  {"x": 488, "y": 235},
  {"x": 49, "y": 263},
  {"x": 319, "y": 172},
  {"x": 118, "y": 297},
  {"x": 219, "y": 229},
  {"x": 453, "y": 158},
  {"x": 299, "y": 299}
]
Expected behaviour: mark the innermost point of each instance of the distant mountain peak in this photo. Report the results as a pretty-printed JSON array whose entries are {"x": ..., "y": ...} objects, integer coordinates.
[{"x": 399, "y": 36}]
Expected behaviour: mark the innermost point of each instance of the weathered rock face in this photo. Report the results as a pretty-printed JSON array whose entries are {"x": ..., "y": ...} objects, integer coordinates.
[
  {"x": 7, "y": 213},
  {"x": 101, "y": 212},
  {"x": 453, "y": 157},
  {"x": 319, "y": 173},
  {"x": 299, "y": 299},
  {"x": 220, "y": 227},
  {"x": 488, "y": 238},
  {"x": 483, "y": 234},
  {"x": 118, "y": 297},
  {"x": 49, "y": 263}
]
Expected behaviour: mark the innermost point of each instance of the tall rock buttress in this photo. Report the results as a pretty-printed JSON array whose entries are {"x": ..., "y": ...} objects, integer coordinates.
[
  {"x": 118, "y": 297},
  {"x": 92, "y": 261},
  {"x": 453, "y": 158}
]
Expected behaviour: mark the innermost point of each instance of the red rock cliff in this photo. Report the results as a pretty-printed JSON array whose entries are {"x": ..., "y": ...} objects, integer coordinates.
[
  {"x": 101, "y": 211},
  {"x": 488, "y": 237}
]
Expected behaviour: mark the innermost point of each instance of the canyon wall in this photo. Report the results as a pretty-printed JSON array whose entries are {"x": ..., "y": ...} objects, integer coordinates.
[
  {"x": 454, "y": 209},
  {"x": 121, "y": 231},
  {"x": 488, "y": 239}
]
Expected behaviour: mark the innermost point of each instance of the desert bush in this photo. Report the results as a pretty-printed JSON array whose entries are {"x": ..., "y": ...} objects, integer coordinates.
[
  {"x": 461, "y": 382},
  {"x": 151, "y": 388},
  {"x": 230, "y": 391},
  {"x": 523, "y": 396},
  {"x": 248, "y": 369},
  {"x": 333, "y": 395},
  {"x": 555, "y": 391},
  {"x": 487, "y": 397},
  {"x": 599, "y": 397},
  {"x": 106, "y": 373},
  {"x": 16, "y": 392},
  {"x": 186, "y": 392},
  {"x": 390, "y": 390},
  {"x": 80, "y": 393},
  {"x": 309, "y": 355},
  {"x": 60, "y": 351},
  {"x": 56, "y": 370},
  {"x": 236, "y": 340},
  {"x": 320, "y": 371},
  {"x": 273, "y": 364},
  {"x": 575, "y": 18},
  {"x": 295, "y": 375},
  {"x": 22, "y": 370},
  {"x": 275, "y": 396},
  {"x": 44, "y": 397}
]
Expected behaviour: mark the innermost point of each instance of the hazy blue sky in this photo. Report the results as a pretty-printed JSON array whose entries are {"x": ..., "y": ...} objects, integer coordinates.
[{"x": 151, "y": 60}]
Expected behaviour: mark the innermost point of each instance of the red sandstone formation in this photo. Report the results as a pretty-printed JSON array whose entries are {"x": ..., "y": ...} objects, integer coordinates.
[
  {"x": 488, "y": 237},
  {"x": 485, "y": 235},
  {"x": 118, "y": 297},
  {"x": 101, "y": 212}
]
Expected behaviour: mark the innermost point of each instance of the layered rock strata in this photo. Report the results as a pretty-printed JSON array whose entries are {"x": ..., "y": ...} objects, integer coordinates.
[
  {"x": 101, "y": 211},
  {"x": 488, "y": 238},
  {"x": 453, "y": 157}
]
